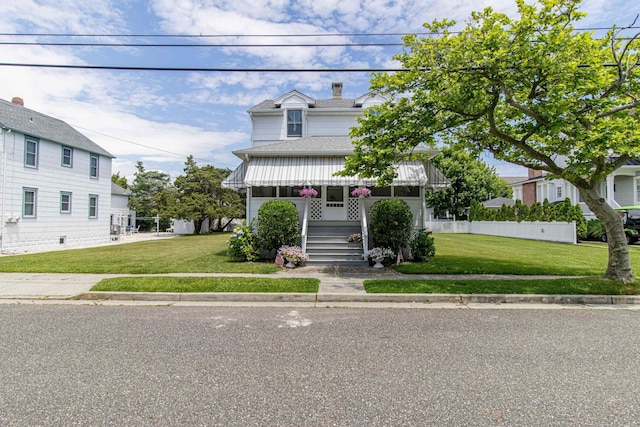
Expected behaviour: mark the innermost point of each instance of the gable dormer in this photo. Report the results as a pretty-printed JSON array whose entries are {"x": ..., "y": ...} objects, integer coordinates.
[
  {"x": 369, "y": 100},
  {"x": 294, "y": 99}
]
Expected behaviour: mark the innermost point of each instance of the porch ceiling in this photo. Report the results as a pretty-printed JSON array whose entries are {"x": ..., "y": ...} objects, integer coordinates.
[{"x": 299, "y": 171}]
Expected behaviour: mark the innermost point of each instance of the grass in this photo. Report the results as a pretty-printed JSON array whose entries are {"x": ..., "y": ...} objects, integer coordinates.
[
  {"x": 206, "y": 284},
  {"x": 476, "y": 254},
  {"x": 188, "y": 254},
  {"x": 571, "y": 286}
]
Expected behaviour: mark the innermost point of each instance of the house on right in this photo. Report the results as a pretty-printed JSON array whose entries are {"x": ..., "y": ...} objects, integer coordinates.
[{"x": 621, "y": 188}]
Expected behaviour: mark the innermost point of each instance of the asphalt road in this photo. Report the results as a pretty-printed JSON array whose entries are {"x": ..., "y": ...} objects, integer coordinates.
[{"x": 108, "y": 365}]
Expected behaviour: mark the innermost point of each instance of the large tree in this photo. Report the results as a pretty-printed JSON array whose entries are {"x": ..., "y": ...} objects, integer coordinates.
[
  {"x": 146, "y": 188},
  {"x": 533, "y": 91},
  {"x": 471, "y": 179},
  {"x": 199, "y": 196}
]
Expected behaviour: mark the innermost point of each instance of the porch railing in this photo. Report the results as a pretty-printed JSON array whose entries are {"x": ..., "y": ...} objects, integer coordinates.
[
  {"x": 365, "y": 228},
  {"x": 305, "y": 226}
]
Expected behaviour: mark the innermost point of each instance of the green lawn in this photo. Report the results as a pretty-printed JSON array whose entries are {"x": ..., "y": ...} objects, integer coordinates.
[
  {"x": 476, "y": 254},
  {"x": 206, "y": 284},
  {"x": 572, "y": 286},
  {"x": 187, "y": 254}
]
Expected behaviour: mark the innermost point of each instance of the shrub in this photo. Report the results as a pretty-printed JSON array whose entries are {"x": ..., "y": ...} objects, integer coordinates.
[
  {"x": 595, "y": 229},
  {"x": 422, "y": 246},
  {"x": 277, "y": 224},
  {"x": 391, "y": 223},
  {"x": 242, "y": 243}
]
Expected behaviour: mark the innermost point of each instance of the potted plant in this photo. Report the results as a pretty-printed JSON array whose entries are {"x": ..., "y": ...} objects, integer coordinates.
[
  {"x": 294, "y": 255},
  {"x": 361, "y": 192},
  {"x": 354, "y": 238},
  {"x": 378, "y": 255},
  {"x": 308, "y": 193}
]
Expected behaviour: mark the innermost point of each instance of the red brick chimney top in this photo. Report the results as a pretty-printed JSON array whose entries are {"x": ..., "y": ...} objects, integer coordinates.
[
  {"x": 18, "y": 100},
  {"x": 534, "y": 173}
]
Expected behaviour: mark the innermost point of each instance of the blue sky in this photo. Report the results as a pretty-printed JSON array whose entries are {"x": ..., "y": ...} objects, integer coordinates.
[{"x": 149, "y": 115}]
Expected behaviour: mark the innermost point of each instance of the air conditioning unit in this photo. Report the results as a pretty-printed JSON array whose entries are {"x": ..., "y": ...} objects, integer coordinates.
[{"x": 12, "y": 218}]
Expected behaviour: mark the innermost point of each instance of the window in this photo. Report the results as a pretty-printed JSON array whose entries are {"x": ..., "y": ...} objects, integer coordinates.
[
  {"x": 67, "y": 157},
  {"x": 294, "y": 191},
  {"x": 294, "y": 122},
  {"x": 29, "y": 200},
  {"x": 263, "y": 191},
  {"x": 94, "y": 162},
  {"x": 93, "y": 206},
  {"x": 31, "y": 152},
  {"x": 65, "y": 202},
  {"x": 558, "y": 193},
  {"x": 380, "y": 191},
  {"x": 637, "y": 180},
  {"x": 410, "y": 191}
]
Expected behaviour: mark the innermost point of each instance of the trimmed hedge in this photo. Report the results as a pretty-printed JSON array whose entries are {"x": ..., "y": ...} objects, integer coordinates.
[
  {"x": 278, "y": 224},
  {"x": 391, "y": 224}
]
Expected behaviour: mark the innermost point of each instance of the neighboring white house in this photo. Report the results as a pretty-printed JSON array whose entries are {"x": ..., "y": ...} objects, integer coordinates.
[
  {"x": 121, "y": 216},
  {"x": 55, "y": 183},
  {"x": 298, "y": 142},
  {"x": 621, "y": 188}
]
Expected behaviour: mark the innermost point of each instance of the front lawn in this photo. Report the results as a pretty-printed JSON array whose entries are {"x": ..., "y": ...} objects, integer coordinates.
[
  {"x": 572, "y": 286},
  {"x": 187, "y": 254},
  {"x": 478, "y": 254},
  {"x": 206, "y": 284}
]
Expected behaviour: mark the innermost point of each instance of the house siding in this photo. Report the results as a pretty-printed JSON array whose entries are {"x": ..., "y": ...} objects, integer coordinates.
[
  {"x": 624, "y": 189},
  {"x": 50, "y": 179},
  {"x": 529, "y": 193},
  {"x": 330, "y": 125}
]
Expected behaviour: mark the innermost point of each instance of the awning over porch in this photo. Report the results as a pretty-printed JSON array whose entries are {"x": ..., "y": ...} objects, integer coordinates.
[{"x": 310, "y": 171}]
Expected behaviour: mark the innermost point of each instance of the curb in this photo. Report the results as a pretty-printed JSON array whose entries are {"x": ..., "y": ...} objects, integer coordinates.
[{"x": 362, "y": 298}]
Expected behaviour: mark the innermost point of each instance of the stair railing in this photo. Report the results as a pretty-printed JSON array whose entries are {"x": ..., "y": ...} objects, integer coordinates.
[
  {"x": 365, "y": 228},
  {"x": 305, "y": 225}
]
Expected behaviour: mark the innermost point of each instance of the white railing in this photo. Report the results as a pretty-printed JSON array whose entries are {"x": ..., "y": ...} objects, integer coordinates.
[
  {"x": 364, "y": 227},
  {"x": 305, "y": 225}
]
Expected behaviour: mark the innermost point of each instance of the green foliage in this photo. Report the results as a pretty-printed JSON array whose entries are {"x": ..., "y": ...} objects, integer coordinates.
[
  {"x": 530, "y": 88},
  {"x": 198, "y": 195},
  {"x": 120, "y": 181},
  {"x": 278, "y": 224},
  {"x": 581, "y": 222},
  {"x": 243, "y": 244},
  {"x": 595, "y": 229},
  {"x": 148, "y": 194},
  {"x": 521, "y": 211},
  {"x": 422, "y": 246},
  {"x": 471, "y": 179},
  {"x": 391, "y": 223}
]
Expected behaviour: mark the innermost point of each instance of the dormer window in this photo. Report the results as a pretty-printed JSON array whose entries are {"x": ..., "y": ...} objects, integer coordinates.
[{"x": 294, "y": 123}]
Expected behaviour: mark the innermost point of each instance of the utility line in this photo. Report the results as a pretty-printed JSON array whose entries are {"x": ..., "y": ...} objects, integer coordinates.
[
  {"x": 148, "y": 146},
  {"x": 204, "y": 69},
  {"x": 96, "y": 44},
  {"x": 632, "y": 27}
]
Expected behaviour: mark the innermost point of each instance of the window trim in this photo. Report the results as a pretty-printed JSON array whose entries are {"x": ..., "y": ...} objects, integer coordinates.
[
  {"x": 36, "y": 154},
  {"x": 292, "y": 122},
  {"x": 91, "y": 157},
  {"x": 62, "y": 194},
  {"x": 95, "y": 215},
  {"x": 25, "y": 190},
  {"x": 70, "y": 165},
  {"x": 636, "y": 188}
]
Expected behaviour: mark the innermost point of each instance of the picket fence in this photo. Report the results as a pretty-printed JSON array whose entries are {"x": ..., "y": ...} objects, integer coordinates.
[{"x": 564, "y": 232}]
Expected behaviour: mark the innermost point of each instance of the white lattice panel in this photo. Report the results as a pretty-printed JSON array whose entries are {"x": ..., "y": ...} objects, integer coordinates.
[
  {"x": 354, "y": 209},
  {"x": 316, "y": 209}
]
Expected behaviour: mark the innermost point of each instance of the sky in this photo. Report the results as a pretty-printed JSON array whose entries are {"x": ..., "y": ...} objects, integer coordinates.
[{"x": 161, "y": 117}]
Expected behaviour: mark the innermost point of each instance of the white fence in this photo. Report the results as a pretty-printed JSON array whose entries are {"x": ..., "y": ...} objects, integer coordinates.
[{"x": 564, "y": 232}]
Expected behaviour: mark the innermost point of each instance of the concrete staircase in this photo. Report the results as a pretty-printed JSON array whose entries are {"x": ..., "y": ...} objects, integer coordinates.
[{"x": 327, "y": 243}]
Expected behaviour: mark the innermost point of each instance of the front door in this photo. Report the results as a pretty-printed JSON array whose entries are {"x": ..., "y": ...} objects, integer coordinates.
[{"x": 334, "y": 208}]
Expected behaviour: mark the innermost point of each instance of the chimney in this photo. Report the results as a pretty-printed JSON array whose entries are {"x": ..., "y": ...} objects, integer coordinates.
[
  {"x": 18, "y": 100},
  {"x": 534, "y": 173},
  {"x": 337, "y": 90}
]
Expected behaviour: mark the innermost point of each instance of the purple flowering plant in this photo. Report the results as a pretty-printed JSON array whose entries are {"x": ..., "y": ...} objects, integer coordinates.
[
  {"x": 308, "y": 193},
  {"x": 361, "y": 192}
]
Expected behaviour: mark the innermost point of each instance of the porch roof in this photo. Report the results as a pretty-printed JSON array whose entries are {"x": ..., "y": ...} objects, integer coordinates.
[{"x": 299, "y": 171}]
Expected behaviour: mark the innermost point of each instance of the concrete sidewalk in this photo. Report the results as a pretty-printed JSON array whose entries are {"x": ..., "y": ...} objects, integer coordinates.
[{"x": 337, "y": 285}]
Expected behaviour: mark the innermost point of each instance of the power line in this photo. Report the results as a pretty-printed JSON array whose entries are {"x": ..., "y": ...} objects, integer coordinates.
[
  {"x": 96, "y": 44},
  {"x": 205, "y": 69},
  {"x": 197, "y": 36},
  {"x": 148, "y": 146}
]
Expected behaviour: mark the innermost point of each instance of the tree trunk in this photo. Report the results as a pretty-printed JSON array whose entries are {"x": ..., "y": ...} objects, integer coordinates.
[
  {"x": 197, "y": 225},
  {"x": 619, "y": 266}
]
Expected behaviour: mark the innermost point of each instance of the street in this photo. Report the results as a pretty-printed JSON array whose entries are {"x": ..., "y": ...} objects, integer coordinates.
[{"x": 154, "y": 365}]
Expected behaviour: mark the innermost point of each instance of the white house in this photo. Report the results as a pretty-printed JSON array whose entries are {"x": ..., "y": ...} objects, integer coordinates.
[
  {"x": 121, "y": 216},
  {"x": 621, "y": 188},
  {"x": 55, "y": 183},
  {"x": 298, "y": 142}
]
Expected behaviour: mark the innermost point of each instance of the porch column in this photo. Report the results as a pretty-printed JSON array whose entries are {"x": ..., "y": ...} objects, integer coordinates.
[
  {"x": 610, "y": 190},
  {"x": 424, "y": 208}
]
